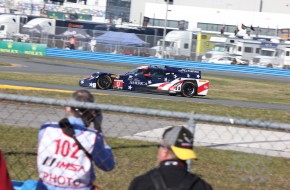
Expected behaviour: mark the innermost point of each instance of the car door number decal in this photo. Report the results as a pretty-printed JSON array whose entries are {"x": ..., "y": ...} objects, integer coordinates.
[{"x": 118, "y": 84}]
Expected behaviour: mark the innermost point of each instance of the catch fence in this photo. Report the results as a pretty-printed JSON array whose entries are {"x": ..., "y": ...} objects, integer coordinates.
[
  {"x": 59, "y": 38},
  {"x": 245, "y": 153}
]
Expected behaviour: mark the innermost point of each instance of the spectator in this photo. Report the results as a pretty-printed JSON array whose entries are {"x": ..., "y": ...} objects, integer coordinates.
[
  {"x": 67, "y": 149},
  {"x": 176, "y": 147},
  {"x": 158, "y": 54},
  {"x": 73, "y": 42},
  {"x": 93, "y": 44},
  {"x": 234, "y": 61},
  {"x": 67, "y": 46},
  {"x": 5, "y": 182}
]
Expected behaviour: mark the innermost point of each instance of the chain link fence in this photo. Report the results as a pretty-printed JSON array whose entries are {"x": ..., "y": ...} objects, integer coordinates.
[
  {"x": 58, "y": 37},
  {"x": 246, "y": 154}
]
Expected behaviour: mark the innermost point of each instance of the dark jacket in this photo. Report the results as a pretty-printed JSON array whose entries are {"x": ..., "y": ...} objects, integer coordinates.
[{"x": 173, "y": 173}]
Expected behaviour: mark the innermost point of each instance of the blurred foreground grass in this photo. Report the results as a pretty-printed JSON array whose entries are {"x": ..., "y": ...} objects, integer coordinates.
[{"x": 223, "y": 169}]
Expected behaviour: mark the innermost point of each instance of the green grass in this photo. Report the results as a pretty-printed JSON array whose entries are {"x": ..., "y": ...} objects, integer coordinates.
[
  {"x": 259, "y": 91},
  {"x": 183, "y": 106},
  {"x": 226, "y": 88},
  {"x": 220, "y": 88},
  {"x": 223, "y": 169},
  {"x": 5, "y": 64},
  {"x": 41, "y": 78}
]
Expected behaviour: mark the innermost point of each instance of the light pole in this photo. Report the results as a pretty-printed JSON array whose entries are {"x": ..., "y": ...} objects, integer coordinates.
[
  {"x": 164, "y": 30},
  {"x": 261, "y": 6}
]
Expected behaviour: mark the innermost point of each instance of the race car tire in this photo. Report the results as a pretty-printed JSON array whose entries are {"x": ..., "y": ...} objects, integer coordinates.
[
  {"x": 188, "y": 89},
  {"x": 172, "y": 94},
  {"x": 104, "y": 82}
]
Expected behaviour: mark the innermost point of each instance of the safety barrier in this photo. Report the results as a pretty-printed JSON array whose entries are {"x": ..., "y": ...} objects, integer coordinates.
[{"x": 108, "y": 57}]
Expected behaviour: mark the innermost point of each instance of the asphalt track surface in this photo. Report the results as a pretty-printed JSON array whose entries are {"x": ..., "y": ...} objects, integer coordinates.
[{"x": 50, "y": 66}]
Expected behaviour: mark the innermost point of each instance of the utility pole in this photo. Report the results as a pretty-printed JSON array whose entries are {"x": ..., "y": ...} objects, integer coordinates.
[
  {"x": 261, "y": 5},
  {"x": 164, "y": 30}
]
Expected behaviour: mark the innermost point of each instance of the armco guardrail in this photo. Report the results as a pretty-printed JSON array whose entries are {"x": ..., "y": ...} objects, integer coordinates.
[{"x": 108, "y": 57}]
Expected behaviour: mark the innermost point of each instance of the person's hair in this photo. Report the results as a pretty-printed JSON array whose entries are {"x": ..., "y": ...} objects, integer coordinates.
[
  {"x": 87, "y": 115},
  {"x": 83, "y": 96}
]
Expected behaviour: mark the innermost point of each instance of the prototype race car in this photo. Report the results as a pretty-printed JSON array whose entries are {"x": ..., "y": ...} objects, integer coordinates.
[{"x": 171, "y": 80}]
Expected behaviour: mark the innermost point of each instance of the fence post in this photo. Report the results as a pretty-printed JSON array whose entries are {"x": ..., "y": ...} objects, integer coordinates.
[{"x": 191, "y": 126}]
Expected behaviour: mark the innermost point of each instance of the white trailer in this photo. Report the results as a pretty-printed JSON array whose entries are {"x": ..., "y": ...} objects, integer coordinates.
[
  {"x": 220, "y": 49},
  {"x": 276, "y": 57},
  {"x": 273, "y": 55},
  {"x": 178, "y": 44},
  {"x": 283, "y": 55},
  {"x": 241, "y": 48},
  {"x": 10, "y": 25},
  {"x": 46, "y": 26},
  {"x": 244, "y": 48}
]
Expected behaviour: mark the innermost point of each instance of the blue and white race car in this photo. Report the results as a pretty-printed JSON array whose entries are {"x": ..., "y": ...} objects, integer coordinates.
[{"x": 171, "y": 80}]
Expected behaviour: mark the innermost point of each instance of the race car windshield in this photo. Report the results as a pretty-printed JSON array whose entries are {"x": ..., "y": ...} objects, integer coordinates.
[
  {"x": 132, "y": 72},
  {"x": 135, "y": 71}
]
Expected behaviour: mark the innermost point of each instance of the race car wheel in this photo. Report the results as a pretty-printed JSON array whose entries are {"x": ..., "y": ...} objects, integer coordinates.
[
  {"x": 188, "y": 89},
  {"x": 104, "y": 82}
]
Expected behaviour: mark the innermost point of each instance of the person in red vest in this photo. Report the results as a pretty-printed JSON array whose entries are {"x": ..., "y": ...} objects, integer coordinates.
[
  {"x": 5, "y": 182},
  {"x": 73, "y": 42}
]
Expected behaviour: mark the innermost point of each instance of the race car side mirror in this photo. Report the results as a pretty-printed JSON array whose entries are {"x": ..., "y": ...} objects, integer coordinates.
[{"x": 147, "y": 75}]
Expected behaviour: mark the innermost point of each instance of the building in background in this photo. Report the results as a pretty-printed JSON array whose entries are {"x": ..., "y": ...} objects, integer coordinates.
[
  {"x": 267, "y": 6},
  {"x": 259, "y": 17},
  {"x": 118, "y": 10}
]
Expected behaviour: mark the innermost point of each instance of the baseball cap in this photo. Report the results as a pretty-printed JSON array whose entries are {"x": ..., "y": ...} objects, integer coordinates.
[{"x": 180, "y": 140}]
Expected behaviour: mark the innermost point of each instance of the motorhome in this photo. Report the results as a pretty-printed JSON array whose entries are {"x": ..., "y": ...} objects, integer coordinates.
[
  {"x": 220, "y": 49},
  {"x": 10, "y": 25},
  {"x": 284, "y": 57},
  {"x": 245, "y": 49},
  {"x": 275, "y": 56}
]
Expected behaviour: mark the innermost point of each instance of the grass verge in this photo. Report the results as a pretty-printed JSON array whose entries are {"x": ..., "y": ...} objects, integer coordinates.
[
  {"x": 5, "y": 64},
  {"x": 224, "y": 88},
  {"x": 181, "y": 106}
]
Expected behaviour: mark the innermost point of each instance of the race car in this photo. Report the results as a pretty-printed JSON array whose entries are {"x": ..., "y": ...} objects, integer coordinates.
[{"x": 170, "y": 80}]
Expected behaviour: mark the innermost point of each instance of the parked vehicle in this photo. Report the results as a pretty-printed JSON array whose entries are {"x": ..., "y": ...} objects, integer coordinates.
[
  {"x": 278, "y": 57},
  {"x": 245, "y": 49},
  {"x": 40, "y": 25},
  {"x": 220, "y": 49},
  {"x": 178, "y": 43},
  {"x": 10, "y": 25},
  {"x": 169, "y": 80},
  {"x": 234, "y": 60}
]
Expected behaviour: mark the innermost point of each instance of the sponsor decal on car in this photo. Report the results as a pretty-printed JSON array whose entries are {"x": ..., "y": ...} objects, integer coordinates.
[
  {"x": 118, "y": 84},
  {"x": 138, "y": 83},
  {"x": 203, "y": 87}
]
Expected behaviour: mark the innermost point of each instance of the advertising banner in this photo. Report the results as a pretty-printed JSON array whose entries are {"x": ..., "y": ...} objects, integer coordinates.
[
  {"x": 68, "y": 16},
  {"x": 203, "y": 43},
  {"x": 23, "y": 48}
]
